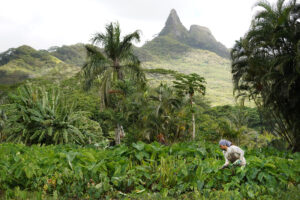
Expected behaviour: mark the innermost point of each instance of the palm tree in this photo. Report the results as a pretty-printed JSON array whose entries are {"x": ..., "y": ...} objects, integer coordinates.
[
  {"x": 190, "y": 84},
  {"x": 265, "y": 65},
  {"x": 113, "y": 61},
  {"x": 163, "y": 118}
]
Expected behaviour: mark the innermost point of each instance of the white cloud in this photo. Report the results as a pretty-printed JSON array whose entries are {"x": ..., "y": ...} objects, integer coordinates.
[{"x": 45, "y": 23}]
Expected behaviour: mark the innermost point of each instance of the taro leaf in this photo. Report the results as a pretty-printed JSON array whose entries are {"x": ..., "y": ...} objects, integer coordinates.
[
  {"x": 261, "y": 175},
  {"x": 250, "y": 193},
  {"x": 115, "y": 181},
  {"x": 200, "y": 185},
  {"x": 202, "y": 151},
  {"x": 184, "y": 171},
  {"x": 139, "y": 156},
  {"x": 253, "y": 173},
  {"x": 28, "y": 172},
  {"x": 165, "y": 192},
  {"x": 121, "y": 150},
  {"x": 269, "y": 165},
  {"x": 139, "y": 146},
  {"x": 59, "y": 181},
  {"x": 70, "y": 157}
]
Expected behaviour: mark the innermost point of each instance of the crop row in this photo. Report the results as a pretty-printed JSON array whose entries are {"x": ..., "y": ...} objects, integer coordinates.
[{"x": 71, "y": 171}]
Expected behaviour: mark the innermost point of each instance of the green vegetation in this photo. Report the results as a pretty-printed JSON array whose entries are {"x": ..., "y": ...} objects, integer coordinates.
[
  {"x": 17, "y": 65},
  {"x": 161, "y": 71},
  {"x": 73, "y": 54},
  {"x": 3, "y": 119},
  {"x": 163, "y": 47},
  {"x": 112, "y": 67},
  {"x": 39, "y": 116},
  {"x": 214, "y": 69},
  {"x": 265, "y": 66},
  {"x": 163, "y": 52},
  {"x": 122, "y": 129},
  {"x": 145, "y": 171},
  {"x": 171, "y": 51},
  {"x": 189, "y": 85}
]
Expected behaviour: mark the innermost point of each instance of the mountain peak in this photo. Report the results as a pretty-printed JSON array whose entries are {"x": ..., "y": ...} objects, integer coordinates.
[
  {"x": 173, "y": 19},
  {"x": 174, "y": 26},
  {"x": 197, "y": 28},
  {"x": 173, "y": 13},
  {"x": 198, "y": 37}
]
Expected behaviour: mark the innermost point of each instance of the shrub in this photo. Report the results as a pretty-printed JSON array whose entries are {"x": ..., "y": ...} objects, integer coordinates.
[{"x": 40, "y": 115}]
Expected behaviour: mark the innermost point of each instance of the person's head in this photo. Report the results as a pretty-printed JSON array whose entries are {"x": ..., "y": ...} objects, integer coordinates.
[{"x": 224, "y": 144}]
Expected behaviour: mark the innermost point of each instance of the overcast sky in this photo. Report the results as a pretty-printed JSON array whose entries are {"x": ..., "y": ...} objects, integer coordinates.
[{"x": 45, "y": 23}]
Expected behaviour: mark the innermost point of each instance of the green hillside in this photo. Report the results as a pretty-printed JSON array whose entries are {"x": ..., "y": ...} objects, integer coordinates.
[
  {"x": 72, "y": 54},
  {"x": 175, "y": 48},
  {"x": 186, "y": 52},
  {"x": 18, "y": 64},
  {"x": 162, "y": 52},
  {"x": 214, "y": 68}
]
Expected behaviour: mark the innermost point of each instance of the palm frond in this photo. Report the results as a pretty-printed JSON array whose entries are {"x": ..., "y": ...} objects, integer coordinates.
[
  {"x": 126, "y": 44},
  {"x": 95, "y": 65}
]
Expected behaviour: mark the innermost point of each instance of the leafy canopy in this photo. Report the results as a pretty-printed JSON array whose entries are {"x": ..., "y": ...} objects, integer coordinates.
[
  {"x": 266, "y": 66},
  {"x": 115, "y": 61}
]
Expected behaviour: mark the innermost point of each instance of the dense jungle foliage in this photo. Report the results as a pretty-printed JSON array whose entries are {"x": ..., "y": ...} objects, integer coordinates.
[{"x": 266, "y": 66}]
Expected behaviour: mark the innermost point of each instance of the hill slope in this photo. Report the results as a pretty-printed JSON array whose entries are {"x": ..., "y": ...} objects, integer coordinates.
[
  {"x": 72, "y": 54},
  {"x": 193, "y": 51},
  {"x": 175, "y": 48},
  {"x": 18, "y": 64},
  {"x": 215, "y": 70}
]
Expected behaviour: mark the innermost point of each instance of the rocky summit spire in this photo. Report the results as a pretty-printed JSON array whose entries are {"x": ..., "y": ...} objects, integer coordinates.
[
  {"x": 174, "y": 26},
  {"x": 198, "y": 37}
]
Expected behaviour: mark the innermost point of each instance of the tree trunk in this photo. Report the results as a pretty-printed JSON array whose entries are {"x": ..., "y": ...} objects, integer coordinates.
[
  {"x": 261, "y": 122},
  {"x": 118, "y": 69},
  {"x": 120, "y": 74},
  {"x": 193, "y": 118},
  {"x": 119, "y": 133},
  {"x": 194, "y": 126},
  {"x": 159, "y": 98},
  {"x": 296, "y": 147},
  {"x": 119, "y": 130}
]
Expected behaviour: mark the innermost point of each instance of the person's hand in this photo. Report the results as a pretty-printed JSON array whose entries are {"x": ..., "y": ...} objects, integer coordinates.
[
  {"x": 238, "y": 162},
  {"x": 223, "y": 167}
]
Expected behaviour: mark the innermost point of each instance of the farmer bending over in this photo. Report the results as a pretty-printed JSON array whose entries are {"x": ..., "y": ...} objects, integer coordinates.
[{"x": 232, "y": 154}]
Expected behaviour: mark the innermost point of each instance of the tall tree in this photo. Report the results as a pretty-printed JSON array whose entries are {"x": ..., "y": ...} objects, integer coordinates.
[
  {"x": 3, "y": 118},
  {"x": 163, "y": 118},
  {"x": 266, "y": 66},
  {"x": 112, "y": 61},
  {"x": 189, "y": 85}
]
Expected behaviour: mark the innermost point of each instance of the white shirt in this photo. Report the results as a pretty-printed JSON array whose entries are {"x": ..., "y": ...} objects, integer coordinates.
[{"x": 234, "y": 153}]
